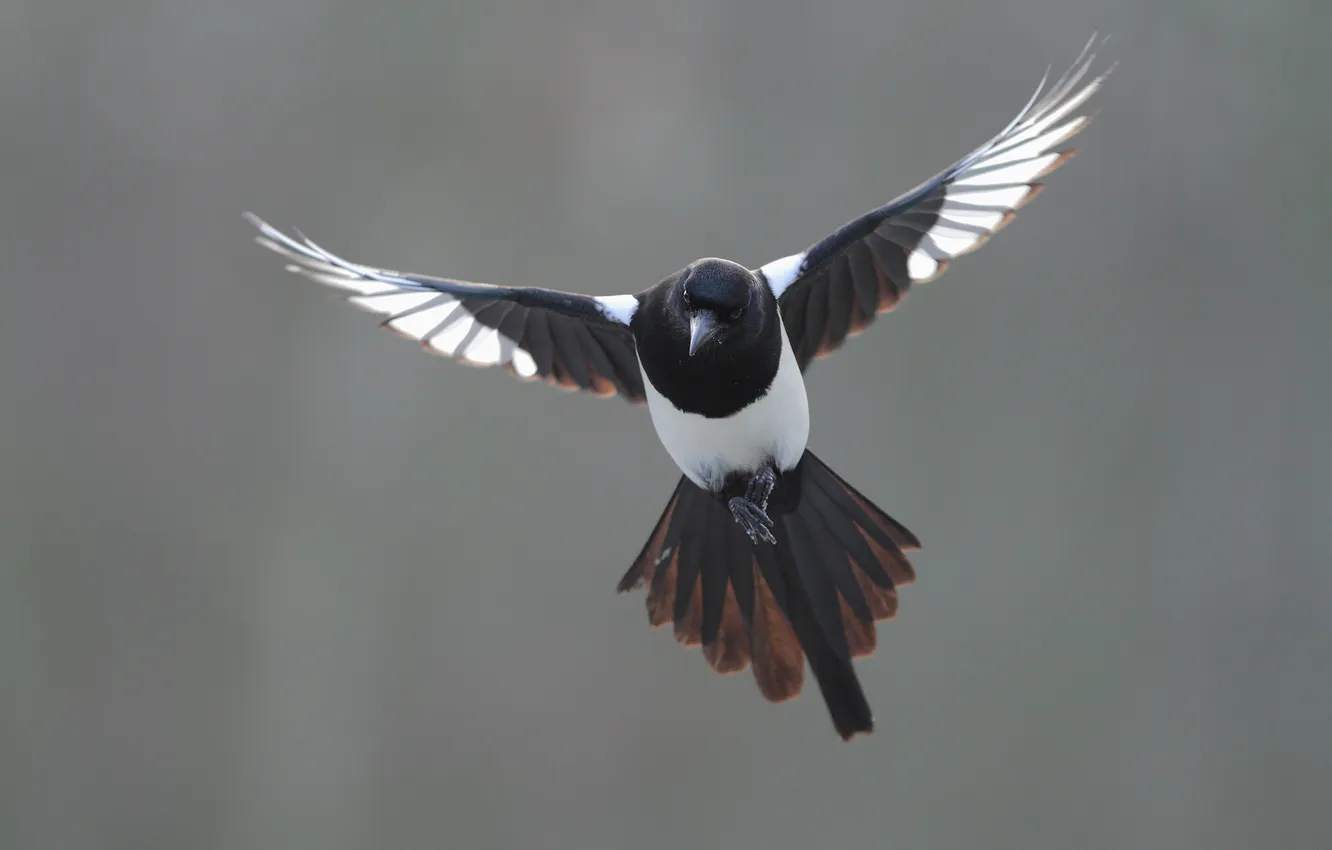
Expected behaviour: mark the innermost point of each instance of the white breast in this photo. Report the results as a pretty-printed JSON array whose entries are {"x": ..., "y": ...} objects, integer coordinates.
[{"x": 776, "y": 427}]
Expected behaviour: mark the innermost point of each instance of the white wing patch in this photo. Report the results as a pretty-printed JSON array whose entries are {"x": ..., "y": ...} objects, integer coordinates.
[
  {"x": 784, "y": 272},
  {"x": 437, "y": 319},
  {"x": 921, "y": 266},
  {"x": 997, "y": 179},
  {"x": 621, "y": 308}
]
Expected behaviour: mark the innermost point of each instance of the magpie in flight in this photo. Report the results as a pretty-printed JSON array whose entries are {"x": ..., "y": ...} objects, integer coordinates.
[{"x": 763, "y": 555}]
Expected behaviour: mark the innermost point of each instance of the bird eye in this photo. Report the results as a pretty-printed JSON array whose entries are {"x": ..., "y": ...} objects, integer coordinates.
[{"x": 737, "y": 313}]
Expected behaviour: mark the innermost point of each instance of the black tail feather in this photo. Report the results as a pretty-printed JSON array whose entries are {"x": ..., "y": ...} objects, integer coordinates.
[{"x": 815, "y": 595}]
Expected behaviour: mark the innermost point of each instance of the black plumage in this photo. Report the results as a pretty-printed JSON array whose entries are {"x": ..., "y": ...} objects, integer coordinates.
[
  {"x": 785, "y": 599},
  {"x": 763, "y": 556}
]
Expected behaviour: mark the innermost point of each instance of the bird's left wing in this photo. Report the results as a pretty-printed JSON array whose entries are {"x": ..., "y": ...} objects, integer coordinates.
[
  {"x": 835, "y": 289},
  {"x": 576, "y": 342}
]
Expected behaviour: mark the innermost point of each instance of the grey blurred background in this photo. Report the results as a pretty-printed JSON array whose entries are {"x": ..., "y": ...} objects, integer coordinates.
[{"x": 273, "y": 578}]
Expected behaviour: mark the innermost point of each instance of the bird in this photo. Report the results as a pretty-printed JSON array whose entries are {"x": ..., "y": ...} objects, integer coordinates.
[{"x": 763, "y": 556}]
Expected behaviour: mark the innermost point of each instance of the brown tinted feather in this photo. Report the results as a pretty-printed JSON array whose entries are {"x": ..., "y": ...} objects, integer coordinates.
[
  {"x": 888, "y": 599},
  {"x": 860, "y": 636},
  {"x": 729, "y": 652},
  {"x": 1036, "y": 189},
  {"x": 779, "y": 663},
  {"x": 890, "y": 272},
  {"x": 888, "y": 294},
  {"x": 645, "y": 564},
  {"x": 859, "y": 321},
  {"x": 661, "y": 598},
  {"x": 1063, "y": 157},
  {"x": 689, "y": 628},
  {"x": 601, "y": 386},
  {"x": 863, "y": 278},
  {"x": 623, "y": 358},
  {"x": 841, "y": 304},
  {"x": 894, "y": 564},
  {"x": 897, "y": 533},
  {"x": 600, "y": 371},
  {"x": 560, "y": 377},
  {"x": 882, "y": 600},
  {"x": 570, "y": 359}
]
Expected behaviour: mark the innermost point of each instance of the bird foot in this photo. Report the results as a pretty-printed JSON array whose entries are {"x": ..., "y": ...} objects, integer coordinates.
[{"x": 753, "y": 519}]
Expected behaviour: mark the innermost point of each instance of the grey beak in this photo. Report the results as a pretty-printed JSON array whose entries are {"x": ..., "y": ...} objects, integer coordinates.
[{"x": 703, "y": 325}]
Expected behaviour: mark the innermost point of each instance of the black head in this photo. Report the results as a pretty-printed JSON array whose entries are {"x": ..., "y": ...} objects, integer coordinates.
[
  {"x": 721, "y": 300},
  {"x": 709, "y": 337}
]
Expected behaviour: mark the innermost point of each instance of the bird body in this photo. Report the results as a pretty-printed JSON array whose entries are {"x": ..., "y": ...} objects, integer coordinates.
[
  {"x": 737, "y": 402},
  {"x": 763, "y": 555},
  {"x": 773, "y": 428}
]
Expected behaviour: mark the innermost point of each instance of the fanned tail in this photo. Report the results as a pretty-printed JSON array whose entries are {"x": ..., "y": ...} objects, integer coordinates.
[{"x": 816, "y": 594}]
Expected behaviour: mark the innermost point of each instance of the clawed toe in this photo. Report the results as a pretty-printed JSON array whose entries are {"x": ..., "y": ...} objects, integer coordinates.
[{"x": 753, "y": 519}]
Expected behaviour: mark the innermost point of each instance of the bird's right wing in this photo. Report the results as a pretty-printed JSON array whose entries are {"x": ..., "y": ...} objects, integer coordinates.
[
  {"x": 576, "y": 342},
  {"x": 835, "y": 288}
]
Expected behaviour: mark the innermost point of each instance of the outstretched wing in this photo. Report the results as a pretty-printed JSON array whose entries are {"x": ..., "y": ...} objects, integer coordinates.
[
  {"x": 835, "y": 289},
  {"x": 576, "y": 342}
]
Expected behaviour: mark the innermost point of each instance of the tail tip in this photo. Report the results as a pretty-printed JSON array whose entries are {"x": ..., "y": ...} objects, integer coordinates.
[{"x": 847, "y": 730}]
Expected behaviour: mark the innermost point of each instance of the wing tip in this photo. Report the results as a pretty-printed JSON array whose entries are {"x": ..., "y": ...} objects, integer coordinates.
[{"x": 254, "y": 220}]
